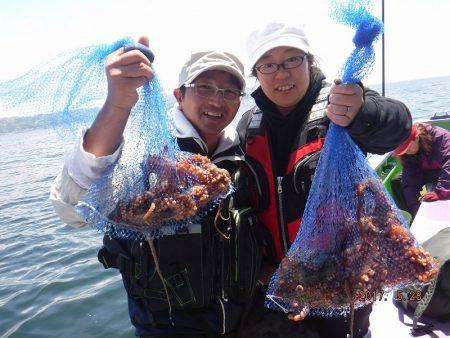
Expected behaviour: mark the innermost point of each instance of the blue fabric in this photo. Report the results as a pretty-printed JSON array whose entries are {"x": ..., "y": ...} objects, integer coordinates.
[{"x": 144, "y": 49}]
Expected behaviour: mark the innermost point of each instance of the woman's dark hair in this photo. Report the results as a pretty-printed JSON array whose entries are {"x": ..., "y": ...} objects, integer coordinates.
[
  {"x": 425, "y": 141},
  {"x": 182, "y": 90},
  {"x": 311, "y": 60}
]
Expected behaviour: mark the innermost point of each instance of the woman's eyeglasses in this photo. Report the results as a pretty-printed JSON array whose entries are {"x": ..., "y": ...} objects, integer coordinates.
[{"x": 292, "y": 62}]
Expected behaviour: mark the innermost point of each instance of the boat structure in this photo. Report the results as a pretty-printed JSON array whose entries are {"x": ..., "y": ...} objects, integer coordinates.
[{"x": 389, "y": 317}]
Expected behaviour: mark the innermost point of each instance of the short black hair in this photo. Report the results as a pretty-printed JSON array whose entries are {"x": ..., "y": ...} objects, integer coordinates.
[{"x": 182, "y": 90}]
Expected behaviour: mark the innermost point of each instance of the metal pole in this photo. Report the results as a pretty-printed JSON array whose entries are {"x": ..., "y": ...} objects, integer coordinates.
[{"x": 382, "y": 49}]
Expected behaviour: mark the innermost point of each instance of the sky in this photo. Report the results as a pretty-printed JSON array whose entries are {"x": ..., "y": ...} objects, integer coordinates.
[{"x": 33, "y": 31}]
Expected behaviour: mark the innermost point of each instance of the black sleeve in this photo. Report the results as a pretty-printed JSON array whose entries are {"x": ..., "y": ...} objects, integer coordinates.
[{"x": 381, "y": 124}]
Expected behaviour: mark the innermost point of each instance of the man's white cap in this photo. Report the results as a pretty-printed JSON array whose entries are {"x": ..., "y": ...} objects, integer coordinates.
[
  {"x": 275, "y": 35},
  {"x": 200, "y": 62}
]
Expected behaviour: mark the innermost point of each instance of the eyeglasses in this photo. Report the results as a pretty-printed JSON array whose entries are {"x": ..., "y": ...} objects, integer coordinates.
[
  {"x": 292, "y": 62},
  {"x": 209, "y": 90}
]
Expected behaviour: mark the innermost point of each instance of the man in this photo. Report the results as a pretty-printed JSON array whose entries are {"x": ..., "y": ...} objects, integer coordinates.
[{"x": 195, "y": 263}]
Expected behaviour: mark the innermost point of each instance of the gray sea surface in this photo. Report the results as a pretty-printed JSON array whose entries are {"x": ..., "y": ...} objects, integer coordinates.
[{"x": 51, "y": 284}]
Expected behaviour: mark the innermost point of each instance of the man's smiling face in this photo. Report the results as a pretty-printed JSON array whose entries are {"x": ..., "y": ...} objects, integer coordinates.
[{"x": 210, "y": 115}]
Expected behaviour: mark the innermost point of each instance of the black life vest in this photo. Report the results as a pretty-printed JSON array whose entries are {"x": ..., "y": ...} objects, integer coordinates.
[{"x": 215, "y": 260}]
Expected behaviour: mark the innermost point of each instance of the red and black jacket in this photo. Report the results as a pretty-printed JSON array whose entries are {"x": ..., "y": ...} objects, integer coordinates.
[{"x": 280, "y": 200}]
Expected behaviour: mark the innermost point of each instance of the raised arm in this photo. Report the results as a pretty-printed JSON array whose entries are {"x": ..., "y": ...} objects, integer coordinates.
[
  {"x": 377, "y": 124},
  {"x": 126, "y": 72},
  {"x": 100, "y": 145},
  {"x": 382, "y": 123}
]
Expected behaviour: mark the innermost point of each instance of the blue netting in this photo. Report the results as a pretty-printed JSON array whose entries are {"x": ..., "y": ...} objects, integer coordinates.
[
  {"x": 153, "y": 189},
  {"x": 69, "y": 88},
  {"x": 356, "y": 13},
  {"x": 353, "y": 244}
]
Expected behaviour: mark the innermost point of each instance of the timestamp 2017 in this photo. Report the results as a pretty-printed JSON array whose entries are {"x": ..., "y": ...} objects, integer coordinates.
[{"x": 370, "y": 296}]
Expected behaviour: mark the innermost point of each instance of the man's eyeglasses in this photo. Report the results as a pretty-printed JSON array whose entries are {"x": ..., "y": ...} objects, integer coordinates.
[
  {"x": 292, "y": 62},
  {"x": 209, "y": 90}
]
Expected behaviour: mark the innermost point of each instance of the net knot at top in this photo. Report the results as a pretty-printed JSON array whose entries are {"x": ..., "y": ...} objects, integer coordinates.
[{"x": 367, "y": 32}]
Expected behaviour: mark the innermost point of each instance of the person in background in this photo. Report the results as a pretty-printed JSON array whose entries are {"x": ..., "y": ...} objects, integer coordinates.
[
  {"x": 425, "y": 158},
  {"x": 194, "y": 262},
  {"x": 283, "y": 136}
]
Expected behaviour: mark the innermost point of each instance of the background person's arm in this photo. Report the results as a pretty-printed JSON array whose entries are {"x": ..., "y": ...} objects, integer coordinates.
[
  {"x": 442, "y": 143},
  {"x": 412, "y": 182}
]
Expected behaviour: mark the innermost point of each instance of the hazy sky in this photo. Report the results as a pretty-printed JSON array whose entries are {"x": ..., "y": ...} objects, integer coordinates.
[{"x": 32, "y": 31}]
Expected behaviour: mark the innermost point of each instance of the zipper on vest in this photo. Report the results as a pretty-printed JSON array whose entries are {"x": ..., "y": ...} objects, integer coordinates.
[
  {"x": 281, "y": 215},
  {"x": 279, "y": 201}
]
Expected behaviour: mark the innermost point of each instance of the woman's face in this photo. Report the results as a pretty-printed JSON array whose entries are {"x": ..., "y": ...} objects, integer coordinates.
[
  {"x": 413, "y": 147},
  {"x": 285, "y": 87}
]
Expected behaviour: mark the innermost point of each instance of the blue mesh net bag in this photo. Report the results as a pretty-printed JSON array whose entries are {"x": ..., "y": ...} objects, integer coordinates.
[
  {"x": 353, "y": 243},
  {"x": 67, "y": 90},
  {"x": 153, "y": 188}
]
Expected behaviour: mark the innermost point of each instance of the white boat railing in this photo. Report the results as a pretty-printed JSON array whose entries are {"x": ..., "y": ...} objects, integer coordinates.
[{"x": 376, "y": 160}]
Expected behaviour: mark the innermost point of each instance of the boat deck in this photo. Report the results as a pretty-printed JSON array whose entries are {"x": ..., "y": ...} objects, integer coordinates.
[
  {"x": 390, "y": 320},
  {"x": 430, "y": 219}
]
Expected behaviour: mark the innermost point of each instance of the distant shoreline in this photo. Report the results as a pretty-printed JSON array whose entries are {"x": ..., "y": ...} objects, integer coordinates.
[
  {"x": 406, "y": 91},
  {"x": 405, "y": 81}
]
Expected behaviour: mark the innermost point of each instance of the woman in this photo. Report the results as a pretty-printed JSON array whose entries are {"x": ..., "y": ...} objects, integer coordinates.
[
  {"x": 425, "y": 157},
  {"x": 284, "y": 133}
]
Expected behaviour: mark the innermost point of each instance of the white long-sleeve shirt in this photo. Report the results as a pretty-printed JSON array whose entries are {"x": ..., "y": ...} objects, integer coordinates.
[{"x": 79, "y": 171}]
